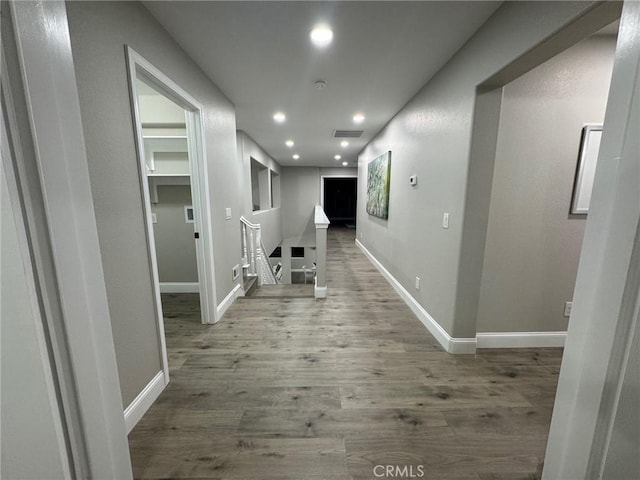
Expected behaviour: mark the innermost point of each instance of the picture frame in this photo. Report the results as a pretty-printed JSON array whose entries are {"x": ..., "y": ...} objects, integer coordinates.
[
  {"x": 378, "y": 186},
  {"x": 585, "y": 169}
]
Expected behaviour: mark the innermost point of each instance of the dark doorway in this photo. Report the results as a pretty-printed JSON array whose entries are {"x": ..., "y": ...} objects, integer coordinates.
[{"x": 340, "y": 195}]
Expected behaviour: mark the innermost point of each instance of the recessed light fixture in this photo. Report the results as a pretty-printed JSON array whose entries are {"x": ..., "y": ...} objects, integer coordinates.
[
  {"x": 358, "y": 118},
  {"x": 344, "y": 164},
  {"x": 321, "y": 36},
  {"x": 320, "y": 84},
  {"x": 289, "y": 143},
  {"x": 296, "y": 156},
  {"x": 337, "y": 157},
  {"x": 344, "y": 144},
  {"x": 279, "y": 117}
]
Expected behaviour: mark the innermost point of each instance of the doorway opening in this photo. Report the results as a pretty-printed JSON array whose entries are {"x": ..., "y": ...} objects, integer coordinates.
[
  {"x": 339, "y": 199},
  {"x": 173, "y": 178},
  {"x": 534, "y": 234},
  {"x": 530, "y": 137}
]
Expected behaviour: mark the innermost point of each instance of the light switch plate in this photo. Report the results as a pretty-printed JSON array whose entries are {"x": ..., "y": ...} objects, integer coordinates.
[
  {"x": 567, "y": 308},
  {"x": 445, "y": 220},
  {"x": 227, "y": 213}
]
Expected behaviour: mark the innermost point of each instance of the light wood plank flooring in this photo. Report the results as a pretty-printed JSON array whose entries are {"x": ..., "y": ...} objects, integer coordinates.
[{"x": 305, "y": 389}]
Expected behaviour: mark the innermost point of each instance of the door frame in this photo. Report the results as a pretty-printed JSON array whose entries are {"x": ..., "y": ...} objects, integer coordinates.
[
  {"x": 606, "y": 300},
  {"x": 322, "y": 177},
  {"x": 52, "y": 175},
  {"x": 138, "y": 66}
]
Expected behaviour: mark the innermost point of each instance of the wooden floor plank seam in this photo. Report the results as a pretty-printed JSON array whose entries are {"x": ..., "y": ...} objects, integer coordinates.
[{"x": 293, "y": 388}]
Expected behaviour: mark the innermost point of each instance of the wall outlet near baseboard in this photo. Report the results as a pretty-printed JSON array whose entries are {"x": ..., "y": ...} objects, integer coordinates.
[
  {"x": 567, "y": 309},
  {"x": 417, "y": 283},
  {"x": 235, "y": 272}
]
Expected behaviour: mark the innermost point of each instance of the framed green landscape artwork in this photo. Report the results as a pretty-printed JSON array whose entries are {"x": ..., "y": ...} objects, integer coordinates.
[{"x": 378, "y": 176}]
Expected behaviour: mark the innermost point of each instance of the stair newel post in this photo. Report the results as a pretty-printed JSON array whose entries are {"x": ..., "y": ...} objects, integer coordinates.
[
  {"x": 252, "y": 248},
  {"x": 259, "y": 254},
  {"x": 322, "y": 224},
  {"x": 245, "y": 258}
]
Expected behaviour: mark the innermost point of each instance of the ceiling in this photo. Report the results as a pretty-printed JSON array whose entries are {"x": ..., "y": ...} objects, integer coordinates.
[{"x": 259, "y": 54}]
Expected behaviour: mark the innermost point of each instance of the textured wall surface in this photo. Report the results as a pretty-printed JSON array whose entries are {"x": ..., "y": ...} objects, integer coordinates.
[
  {"x": 270, "y": 220},
  {"x": 175, "y": 245},
  {"x": 99, "y": 32},
  {"x": 431, "y": 137},
  {"x": 533, "y": 244}
]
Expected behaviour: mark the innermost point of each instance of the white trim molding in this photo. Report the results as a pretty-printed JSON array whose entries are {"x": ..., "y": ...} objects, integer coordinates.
[
  {"x": 320, "y": 292},
  {"x": 322, "y": 178},
  {"x": 449, "y": 343},
  {"x": 236, "y": 292},
  {"x": 59, "y": 220},
  {"x": 179, "y": 287},
  {"x": 136, "y": 409},
  {"x": 139, "y": 67},
  {"x": 520, "y": 339}
]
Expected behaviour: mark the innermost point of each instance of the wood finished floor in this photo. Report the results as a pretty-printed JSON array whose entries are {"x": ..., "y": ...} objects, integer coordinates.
[{"x": 304, "y": 389}]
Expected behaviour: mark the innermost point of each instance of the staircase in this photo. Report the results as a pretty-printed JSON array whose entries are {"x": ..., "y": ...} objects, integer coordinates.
[{"x": 256, "y": 268}]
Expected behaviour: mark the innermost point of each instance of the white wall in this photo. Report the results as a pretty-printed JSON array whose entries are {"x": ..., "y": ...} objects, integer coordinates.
[
  {"x": 156, "y": 108},
  {"x": 431, "y": 137},
  {"x": 99, "y": 31},
  {"x": 270, "y": 220},
  {"x": 533, "y": 244},
  {"x": 175, "y": 243},
  {"x": 300, "y": 188}
]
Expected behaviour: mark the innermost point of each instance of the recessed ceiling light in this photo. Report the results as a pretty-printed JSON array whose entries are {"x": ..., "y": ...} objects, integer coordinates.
[
  {"x": 279, "y": 117},
  {"x": 320, "y": 84},
  {"x": 337, "y": 157},
  {"x": 344, "y": 144},
  {"x": 344, "y": 164},
  {"x": 358, "y": 118},
  {"x": 296, "y": 156},
  {"x": 321, "y": 36},
  {"x": 289, "y": 143}
]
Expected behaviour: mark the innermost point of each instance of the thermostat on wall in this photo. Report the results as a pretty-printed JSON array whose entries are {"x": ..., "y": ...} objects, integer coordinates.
[{"x": 413, "y": 180}]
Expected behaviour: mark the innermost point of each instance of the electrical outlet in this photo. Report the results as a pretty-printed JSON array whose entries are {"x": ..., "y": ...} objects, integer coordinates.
[
  {"x": 567, "y": 308},
  {"x": 235, "y": 272},
  {"x": 417, "y": 283},
  {"x": 445, "y": 220},
  {"x": 361, "y": 235},
  {"x": 227, "y": 213}
]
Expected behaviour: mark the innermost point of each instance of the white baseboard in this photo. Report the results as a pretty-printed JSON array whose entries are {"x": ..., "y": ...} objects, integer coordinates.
[
  {"x": 449, "y": 343},
  {"x": 136, "y": 409},
  {"x": 237, "y": 291},
  {"x": 461, "y": 346},
  {"x": 521, "y": 339},
  {"x": 179, "y": 287},
  {"x": 320, "y": 292}
]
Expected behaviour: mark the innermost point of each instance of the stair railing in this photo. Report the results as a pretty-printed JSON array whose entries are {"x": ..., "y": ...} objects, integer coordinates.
[{"x": 254, "y": 259}]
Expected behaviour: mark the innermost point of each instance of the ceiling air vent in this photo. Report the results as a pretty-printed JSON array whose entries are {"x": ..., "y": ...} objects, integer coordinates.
[{"x": 347, "y": 133}]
